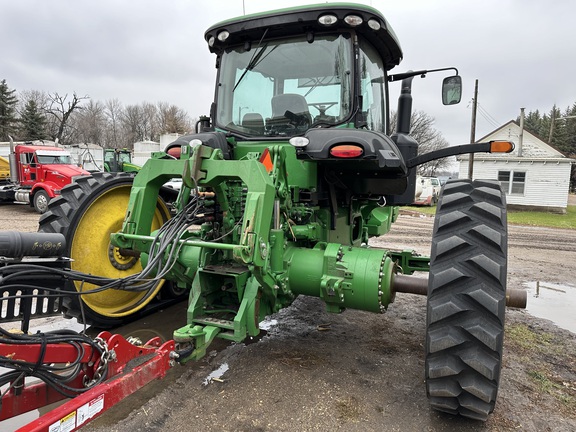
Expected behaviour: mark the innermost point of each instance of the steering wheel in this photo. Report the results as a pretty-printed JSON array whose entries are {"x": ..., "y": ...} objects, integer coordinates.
[{"x": 322, "y": 106}]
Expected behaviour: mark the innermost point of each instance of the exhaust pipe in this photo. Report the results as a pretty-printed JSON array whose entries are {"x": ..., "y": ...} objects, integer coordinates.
[
  {"x": 12, "y": 162},
  {"x": 15, "y": 244}
]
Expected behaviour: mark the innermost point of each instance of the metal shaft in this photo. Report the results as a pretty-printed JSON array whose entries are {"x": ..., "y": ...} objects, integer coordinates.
[
  {"x": 15, "y": 244},
  {"x": 413, "y": 285}
]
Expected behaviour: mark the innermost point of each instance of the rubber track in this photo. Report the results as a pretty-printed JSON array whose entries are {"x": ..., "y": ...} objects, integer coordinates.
[
  {"x": 63, "y": 214},
  {"x": 466, "y": 298}
]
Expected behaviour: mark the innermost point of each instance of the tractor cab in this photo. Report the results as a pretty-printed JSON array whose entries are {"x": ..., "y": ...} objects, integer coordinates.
[
  {"x": 320, "y": 66},
  {"x": 317, "y": 77}
]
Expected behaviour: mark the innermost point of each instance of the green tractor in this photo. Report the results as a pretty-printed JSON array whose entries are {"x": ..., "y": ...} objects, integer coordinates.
[
  {"x": 284, "y": 186},
  {"x": 119, "y": 160}
]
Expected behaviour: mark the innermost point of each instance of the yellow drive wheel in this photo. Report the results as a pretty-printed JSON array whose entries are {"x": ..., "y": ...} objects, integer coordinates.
[{"x": 87, "y": 212}]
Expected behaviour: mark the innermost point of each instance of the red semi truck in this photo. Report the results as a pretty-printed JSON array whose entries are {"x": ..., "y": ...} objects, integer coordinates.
[{"x": 37, "y": 174}]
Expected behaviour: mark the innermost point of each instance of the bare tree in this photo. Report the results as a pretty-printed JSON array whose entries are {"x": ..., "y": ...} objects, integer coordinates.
[
  {"x": 172, "y": 119},
  {"x": 131, "y": 123},
  {"x": 60, "y": 110},
  {"x": 91, "y": 123},
  {"x": 428, "y": 138},
  {"x": 40, "y": 98},
  {"x": 150, "y": 128},
  {"x": 114, "y": 134}
]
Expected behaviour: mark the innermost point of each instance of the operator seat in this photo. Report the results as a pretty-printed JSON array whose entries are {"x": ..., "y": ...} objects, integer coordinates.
[
  {"x": 253, "y": 122},
  {"x": 291, "y": 102}
]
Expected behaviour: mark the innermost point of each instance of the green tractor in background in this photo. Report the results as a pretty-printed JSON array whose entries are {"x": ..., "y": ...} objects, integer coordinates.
[
  {"x": 119, "y": 160},
  {"x": 292, "y": 174}
]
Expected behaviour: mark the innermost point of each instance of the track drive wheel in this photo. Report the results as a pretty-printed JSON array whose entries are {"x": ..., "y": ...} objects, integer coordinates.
[
  {"x": 467, "y": 298},
  {"x": 87, "y": 212}
]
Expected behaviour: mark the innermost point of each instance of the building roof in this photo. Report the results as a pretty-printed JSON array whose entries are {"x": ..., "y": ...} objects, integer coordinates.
[{"x": 532, "y": 146}]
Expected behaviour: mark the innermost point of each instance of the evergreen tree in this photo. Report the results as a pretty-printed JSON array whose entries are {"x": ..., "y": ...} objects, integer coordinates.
[
  {"x": 532, "y": 121},
  {"x": 32, "y": 122},
  {"x": 8, "y": 118}
]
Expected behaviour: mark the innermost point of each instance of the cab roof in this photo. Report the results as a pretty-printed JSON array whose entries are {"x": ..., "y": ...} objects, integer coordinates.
[
  {"x": 250, "y": 29},
  {"x": 33, "y": 148}
]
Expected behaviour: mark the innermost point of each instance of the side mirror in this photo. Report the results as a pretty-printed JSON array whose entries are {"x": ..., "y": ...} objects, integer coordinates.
[{"x": 452, "y": 90}]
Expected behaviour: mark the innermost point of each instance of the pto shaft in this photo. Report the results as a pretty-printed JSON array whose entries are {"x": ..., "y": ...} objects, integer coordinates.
[{"x": 413, "y": 285}]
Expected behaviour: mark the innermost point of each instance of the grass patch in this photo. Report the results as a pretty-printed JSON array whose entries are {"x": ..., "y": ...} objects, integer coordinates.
[
  {"x": 560, "y": 390},
  {"x": 526, "y": 338},
  {"x": 348, "y": 409},
  {"x": 544, "y": 219},
  {"x": 419, "y": 209},
  {"x": 531, "y": 218}
]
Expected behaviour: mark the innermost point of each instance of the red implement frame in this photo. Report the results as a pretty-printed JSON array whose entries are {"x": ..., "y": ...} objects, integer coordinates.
[{"x": 132, "y": 367}]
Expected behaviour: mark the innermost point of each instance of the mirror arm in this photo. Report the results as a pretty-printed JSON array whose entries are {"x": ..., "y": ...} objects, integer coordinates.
[
  {"x": 422, "y": 73},
  {"x": 449, "y": 151}
]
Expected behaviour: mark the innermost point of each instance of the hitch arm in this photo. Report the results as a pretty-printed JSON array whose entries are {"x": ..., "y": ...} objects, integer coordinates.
[{"x": 130, "y": 367}]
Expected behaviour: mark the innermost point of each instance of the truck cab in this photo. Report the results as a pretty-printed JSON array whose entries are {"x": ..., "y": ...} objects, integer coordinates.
[
  {"x": 119, "y": 160},
  {"x": 37, "y": 174}
]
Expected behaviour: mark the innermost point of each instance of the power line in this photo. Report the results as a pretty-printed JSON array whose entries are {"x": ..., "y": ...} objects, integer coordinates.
[{"x": 489, "y": 118}]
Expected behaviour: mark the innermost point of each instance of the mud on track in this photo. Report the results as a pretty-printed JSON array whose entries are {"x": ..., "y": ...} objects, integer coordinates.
[{"x": 358, "y": 371}]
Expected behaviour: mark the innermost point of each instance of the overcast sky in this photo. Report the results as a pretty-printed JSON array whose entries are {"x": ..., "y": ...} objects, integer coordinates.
[{"x": 523, "y": 52}]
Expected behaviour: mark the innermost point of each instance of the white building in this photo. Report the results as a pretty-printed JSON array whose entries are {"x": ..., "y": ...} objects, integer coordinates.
[
  {"x": 143, "y": 149},
  {"x": 88, "y": 156},
  {"x": 534, "y": 176}
]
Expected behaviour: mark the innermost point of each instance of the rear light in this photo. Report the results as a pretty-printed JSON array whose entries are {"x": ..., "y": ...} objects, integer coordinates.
[
  {"x": 175, "y": 152},
  {"x": 501, "y": 146},
  {"x": 346, "y": 151}
]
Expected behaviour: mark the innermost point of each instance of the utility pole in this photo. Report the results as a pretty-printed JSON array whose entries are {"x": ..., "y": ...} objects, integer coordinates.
[
  {"x": 521, "y": 136},
  {"x": 552, "y": 120},
  {"x": 473, "y": 131},
  {"x": 552, "y": 128}
]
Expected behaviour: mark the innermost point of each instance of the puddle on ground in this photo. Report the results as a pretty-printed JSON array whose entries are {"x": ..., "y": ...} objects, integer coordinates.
[
  {"x": 216, "y": 374},
  {"x": 267, "y": 324},
  {"x": 554, "y": 302}
]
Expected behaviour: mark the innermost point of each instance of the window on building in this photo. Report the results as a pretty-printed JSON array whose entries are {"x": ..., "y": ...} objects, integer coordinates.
[{"x": 512, "y": 182}]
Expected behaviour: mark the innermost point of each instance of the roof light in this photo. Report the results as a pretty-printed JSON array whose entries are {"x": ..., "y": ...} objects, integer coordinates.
[
  {"x": 211, "y": 41},
  {"x": 346, "y": 151},
  {"x": 299, "y": 141},
  {"x": 353, "y": 20},
  {"x": 374, "y": 24},
  {"x": 223, "y": 35},
  {"x": 501, "y": 146},
  {"x": 328, "y": 20}
]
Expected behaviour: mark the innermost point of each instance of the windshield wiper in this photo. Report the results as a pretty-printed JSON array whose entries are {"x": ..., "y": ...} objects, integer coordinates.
[{"x": 253, "y": 62}]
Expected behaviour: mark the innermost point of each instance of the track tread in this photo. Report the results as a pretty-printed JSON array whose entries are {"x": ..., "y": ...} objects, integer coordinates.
[{"x": 466, "y": 300}]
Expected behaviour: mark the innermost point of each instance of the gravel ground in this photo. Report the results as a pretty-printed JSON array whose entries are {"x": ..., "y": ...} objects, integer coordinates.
[{"x": 358, "y": 371}]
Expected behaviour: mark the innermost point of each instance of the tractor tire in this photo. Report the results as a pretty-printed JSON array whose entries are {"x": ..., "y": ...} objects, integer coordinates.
[
  {"x": 40, "y": 201},
  {"x": 467, "y": 298},
  {"x": 87, "y": 212}
]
